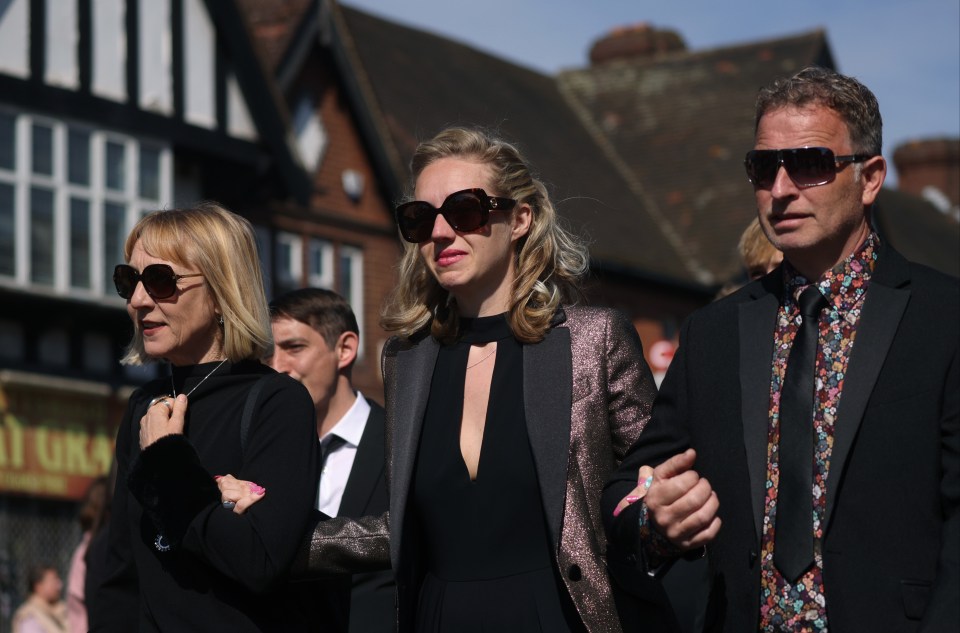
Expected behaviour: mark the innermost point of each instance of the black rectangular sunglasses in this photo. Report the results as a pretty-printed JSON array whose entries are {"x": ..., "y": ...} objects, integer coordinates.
[
  {"x": 464, "y": 211},
  {"x": 806, "y": 166},
  {"x": 159, "y": 280}
]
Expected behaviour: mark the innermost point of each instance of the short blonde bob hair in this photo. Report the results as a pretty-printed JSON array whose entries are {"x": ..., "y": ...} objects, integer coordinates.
[
  {"x": 550, "y": 261},
  {"x": 221, "y": 245}
]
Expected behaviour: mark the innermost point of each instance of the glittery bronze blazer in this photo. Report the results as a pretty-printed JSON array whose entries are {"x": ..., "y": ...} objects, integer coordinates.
[{"x": 587, "y": 396}]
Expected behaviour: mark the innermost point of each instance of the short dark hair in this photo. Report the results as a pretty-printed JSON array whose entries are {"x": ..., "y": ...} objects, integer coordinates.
[
  {"x": 817, "y": 86},
  {"x": 36, "y": 573},
  {"x": 93, "y": 502},
  {"x": 323, "y": 310}
]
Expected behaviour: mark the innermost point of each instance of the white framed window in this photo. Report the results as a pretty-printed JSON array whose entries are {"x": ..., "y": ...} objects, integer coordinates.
[
  {"x": 320, "y": 264},
  {"x": 69, "y": 194},
  {"x": 350, "y": 284},
  {"x": 288, "y": 261},
  {"x": 265, "y": 253},
  {"x": 323, "y": 264}
]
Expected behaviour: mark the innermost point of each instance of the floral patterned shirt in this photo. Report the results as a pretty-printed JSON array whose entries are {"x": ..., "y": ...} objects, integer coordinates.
[{"x": 802, "y": 606}]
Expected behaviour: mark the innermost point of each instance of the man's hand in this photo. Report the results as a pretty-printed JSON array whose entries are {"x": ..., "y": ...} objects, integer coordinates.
[{"x": 681, "y": 504}]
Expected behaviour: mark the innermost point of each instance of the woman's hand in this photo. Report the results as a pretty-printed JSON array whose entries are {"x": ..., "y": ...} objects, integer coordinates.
[
  {"x": 242, "y": 494},
  {"x": 644, "y": 481},
  {"x": 164, "y": 417}
]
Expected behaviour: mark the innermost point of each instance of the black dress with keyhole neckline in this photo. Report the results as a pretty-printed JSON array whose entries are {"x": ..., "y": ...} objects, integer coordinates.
[{"x": 485, "y": 545}]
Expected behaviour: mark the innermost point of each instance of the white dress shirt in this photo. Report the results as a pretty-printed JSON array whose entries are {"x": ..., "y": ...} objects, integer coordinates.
[{"x": 337, "y": 465}]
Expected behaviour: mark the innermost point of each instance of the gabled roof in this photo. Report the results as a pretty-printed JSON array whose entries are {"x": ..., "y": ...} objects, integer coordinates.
[
  {"x": 681, "y": 123},
  {"x": 414, "y": 83}
]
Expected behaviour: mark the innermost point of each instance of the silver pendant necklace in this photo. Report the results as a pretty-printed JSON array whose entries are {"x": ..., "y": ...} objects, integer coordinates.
[{"x": 212, "y": 371}]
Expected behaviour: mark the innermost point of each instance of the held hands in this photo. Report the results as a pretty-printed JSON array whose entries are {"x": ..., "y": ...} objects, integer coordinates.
[
  {"x": 238, "y": 495},
  {"x": 682, "y": 505},
  {"x": 164, "y": 416}
]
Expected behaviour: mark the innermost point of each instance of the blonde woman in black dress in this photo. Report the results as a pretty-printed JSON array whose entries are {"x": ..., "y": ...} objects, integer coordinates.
[{"x": 507, "y": 407}]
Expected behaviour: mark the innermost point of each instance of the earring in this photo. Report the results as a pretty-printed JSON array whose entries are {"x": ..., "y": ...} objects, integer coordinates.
[{"x": 220, "y": 320}]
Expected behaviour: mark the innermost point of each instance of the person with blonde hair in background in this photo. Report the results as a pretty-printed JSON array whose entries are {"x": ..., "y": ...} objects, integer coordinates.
[
  {"x": 757, "y": 253},
  {"x": 757, "y": 257}
]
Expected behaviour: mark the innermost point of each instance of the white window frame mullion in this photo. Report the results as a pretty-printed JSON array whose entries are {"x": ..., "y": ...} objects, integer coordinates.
[
  {"x": 355, "y": 255},
  {"x": 295, "y": 241},
  {"x": 97, "y": 243},
  {"x": 166, "y": 179},
  {"x": 327, "y": 280},
  {"x": 21, "y": 200},
  {"x": 61, "y": 224},
  {"x": 133, "y": 184}
]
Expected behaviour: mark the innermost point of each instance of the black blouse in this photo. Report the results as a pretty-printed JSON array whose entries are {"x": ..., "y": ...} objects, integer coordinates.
[
  {"x": 485, "y": 541},
  {"x": 223, "y": 571}
]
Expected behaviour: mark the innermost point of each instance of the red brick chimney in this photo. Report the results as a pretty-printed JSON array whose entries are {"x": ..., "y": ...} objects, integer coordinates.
[
  {"x": 931, "y": 168},
  {"x": 634, "y": 42}
]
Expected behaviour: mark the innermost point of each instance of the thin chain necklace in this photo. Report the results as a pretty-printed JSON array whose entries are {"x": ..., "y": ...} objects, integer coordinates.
[
  {"x": 483, "y": 359},
  {"x": 199, "y": 383}
]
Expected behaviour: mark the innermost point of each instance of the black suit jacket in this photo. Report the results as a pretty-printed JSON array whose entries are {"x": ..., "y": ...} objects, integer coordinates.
[
  {"x": 372, "y": 600},
  {"x": 892, "y": 538}
]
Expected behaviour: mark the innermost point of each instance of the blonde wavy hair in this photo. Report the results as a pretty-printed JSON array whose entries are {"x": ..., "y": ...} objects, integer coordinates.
[
  {"x": 221, "y": 245},
  {"x": 550, "y": 261}
]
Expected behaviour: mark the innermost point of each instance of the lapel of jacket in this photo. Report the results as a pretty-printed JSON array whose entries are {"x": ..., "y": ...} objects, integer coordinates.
[
  {"x": 883, "y": 308},
  {"x": 757, "y": 321},
  {"x": 414, "y": 372},
  {"x": 367, "y": 466},
  {"x": 547, "y": 389}
]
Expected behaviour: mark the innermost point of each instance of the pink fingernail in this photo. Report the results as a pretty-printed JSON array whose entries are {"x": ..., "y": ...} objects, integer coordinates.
[
  {"x": 217, "y": 477},
  {"x": 632, "y": 499}
]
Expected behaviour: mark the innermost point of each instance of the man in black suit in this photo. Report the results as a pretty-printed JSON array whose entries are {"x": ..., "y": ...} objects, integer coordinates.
[
  {"x": 315, "y": 341},
  {"x": 833, "y": 445}
]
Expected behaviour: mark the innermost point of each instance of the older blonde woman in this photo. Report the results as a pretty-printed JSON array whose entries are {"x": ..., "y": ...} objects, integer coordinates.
[{"x": 179, "y": 559}]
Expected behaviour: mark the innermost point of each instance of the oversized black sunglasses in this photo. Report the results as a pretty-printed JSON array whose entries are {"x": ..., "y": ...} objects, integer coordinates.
[
  {"x": 465, "y": 210},
  {"x": 159, "y": 280},
  {"x": 806, "y": 166}
]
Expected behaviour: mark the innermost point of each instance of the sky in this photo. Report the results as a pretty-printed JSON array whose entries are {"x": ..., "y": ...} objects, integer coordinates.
[{"x": 907, "y": 53}]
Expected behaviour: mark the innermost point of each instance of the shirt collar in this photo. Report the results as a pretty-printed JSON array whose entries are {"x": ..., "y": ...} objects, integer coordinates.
[
  {"x": 350, "y": 426},
  {"x": 844, "y": 284}
]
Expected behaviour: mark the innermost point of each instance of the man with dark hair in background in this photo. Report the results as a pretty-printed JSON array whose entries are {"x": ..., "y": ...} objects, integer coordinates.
[{"x": 316, "y": 340}]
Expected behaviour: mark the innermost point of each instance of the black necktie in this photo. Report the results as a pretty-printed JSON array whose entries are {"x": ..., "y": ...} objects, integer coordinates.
[
  {"x": 793, "y": 538},
  {"x": 331, "y": 443}
]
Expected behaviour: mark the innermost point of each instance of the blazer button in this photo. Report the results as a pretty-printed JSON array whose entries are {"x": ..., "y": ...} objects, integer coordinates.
[
  {"x": 574, "y": 573},
  {"x": 753, "y": 557}
]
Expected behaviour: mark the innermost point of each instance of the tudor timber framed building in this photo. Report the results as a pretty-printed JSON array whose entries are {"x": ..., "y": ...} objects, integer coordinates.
[{"x": 110, "y": 109}]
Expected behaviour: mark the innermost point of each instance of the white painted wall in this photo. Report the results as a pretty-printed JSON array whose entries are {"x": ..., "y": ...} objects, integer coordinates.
[
  {"x": 62, "y": 37},
  {"x": 156, "y": 59},
  {"x": 15, "y": 38},
  {"x": 109, "y": 59},
  {"x": 239, "y": 121},
  {"x": 200, "y": 66}
]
